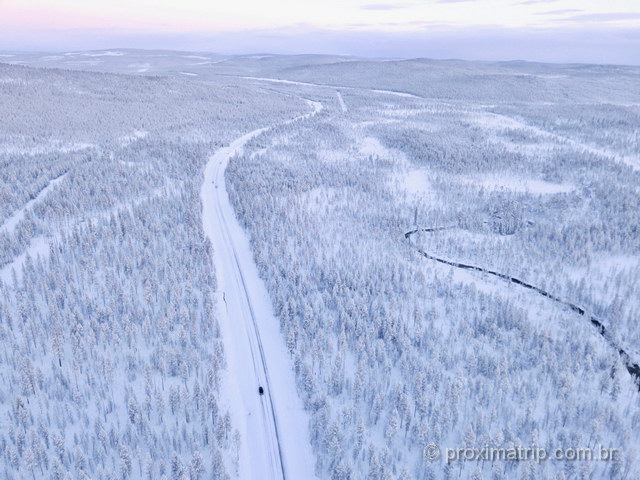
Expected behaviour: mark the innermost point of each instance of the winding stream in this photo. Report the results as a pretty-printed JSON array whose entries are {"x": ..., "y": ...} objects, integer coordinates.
[{"x": 632, "y": 368}]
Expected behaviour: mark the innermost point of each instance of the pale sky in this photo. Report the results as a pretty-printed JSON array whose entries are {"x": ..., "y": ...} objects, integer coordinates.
[{"x": 399, "y": 27}]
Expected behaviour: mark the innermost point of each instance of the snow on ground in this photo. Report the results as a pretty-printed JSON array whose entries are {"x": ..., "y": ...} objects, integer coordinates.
[
  {"x": 86, "y": 63},
  {"x": 543, "y": 313},
  {"x": 496, "y": 120},
  {"x": 39, "y": 247},
  {"x": 398, "y": 94},
  {"x": 278, "y": 80},
  {"x": 45, "y": 147},
  {"x": 343, "y": 87},
  {"x": 274, "y": 427},
  {"x": 498, "y": 182},
  {"x": 343, "y": 106},
  {"x": 12, "y": 222},
  {"x": 135, "y": 135},
  {"x": 604, "y": 273},
  {"x": 383, "y": 121},
  {"x": 322, "y": 200},
  {"x": 405, "y": 113},
  {"x": 140, "y": 67},
  {"x": 372, "y": 146},
  {"x": 189, "y": 74},
  {"x": 616, "y": 263},
  {"x": 108, "y": 53},
  {"x": 414, "y": 182},
  {"x": 213, "y": 62}
]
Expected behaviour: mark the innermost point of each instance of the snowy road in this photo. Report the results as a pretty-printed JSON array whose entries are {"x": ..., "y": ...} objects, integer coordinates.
[
  {"x": 275, "y": 440},
  {"x": 323, "y": 85}
]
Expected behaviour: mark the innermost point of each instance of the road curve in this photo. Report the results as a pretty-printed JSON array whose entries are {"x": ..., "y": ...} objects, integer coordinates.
[{"x": 275, "y": 441}]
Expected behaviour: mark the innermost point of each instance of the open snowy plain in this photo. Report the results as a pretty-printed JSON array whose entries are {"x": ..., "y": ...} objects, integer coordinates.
[{"x": 409, "y": 257}]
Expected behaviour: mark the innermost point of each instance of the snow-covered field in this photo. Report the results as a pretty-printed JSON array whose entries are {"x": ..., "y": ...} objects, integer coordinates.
[{"x": 179, "y": 229}]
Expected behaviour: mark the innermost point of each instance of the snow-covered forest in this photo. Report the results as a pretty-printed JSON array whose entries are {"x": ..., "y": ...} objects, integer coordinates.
[
  {"x": 115, "y": 363},
  {"x": 111, "y": 354}
]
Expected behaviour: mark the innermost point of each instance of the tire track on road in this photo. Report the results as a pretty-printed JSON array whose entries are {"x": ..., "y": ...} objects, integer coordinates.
[{"x": 247, "y": 314}]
